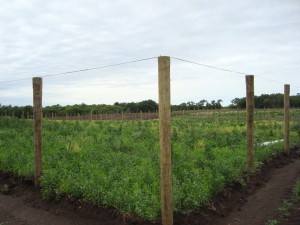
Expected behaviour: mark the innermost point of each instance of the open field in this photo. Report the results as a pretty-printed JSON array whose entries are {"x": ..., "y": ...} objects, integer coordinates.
[{"x": 116, "y": 163}]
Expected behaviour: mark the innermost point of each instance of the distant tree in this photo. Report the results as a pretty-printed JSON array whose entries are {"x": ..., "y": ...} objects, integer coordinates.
[
  {"x": 262, "y": 101},
  {"x": 131, "y": 107},
  {"x": 201, "y": 104},
  {"x": 266, "y": 101},
  {"x": 295, "y": 101},
  {"x": 183, "y": 106},
  {"x": 213, "y": 104},
  {"x": 147, "y": 105},
  {"x": 218, "y": 104},
  {"x": 191, "y": 105}
]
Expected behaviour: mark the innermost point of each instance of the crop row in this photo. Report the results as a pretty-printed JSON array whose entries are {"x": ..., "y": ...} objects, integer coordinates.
[{"x": 116, "y": 163}]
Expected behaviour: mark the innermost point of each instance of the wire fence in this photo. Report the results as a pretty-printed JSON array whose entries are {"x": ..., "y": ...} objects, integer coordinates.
[
  {"x": 71, "y": 87},
  {"x": 183, "y": 83}
]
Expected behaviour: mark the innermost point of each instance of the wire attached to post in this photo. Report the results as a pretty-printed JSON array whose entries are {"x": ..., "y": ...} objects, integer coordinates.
[{"x": 82, "y": 70}]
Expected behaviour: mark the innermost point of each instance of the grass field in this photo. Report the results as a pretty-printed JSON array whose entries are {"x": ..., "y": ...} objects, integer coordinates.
[{"x": 116, "y": 163}]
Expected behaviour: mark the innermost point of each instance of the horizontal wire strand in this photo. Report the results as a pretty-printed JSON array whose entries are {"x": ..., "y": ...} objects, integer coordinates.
[
  {"x": 144, "y": 59},
  {"x": 100, "y": 67},
  {"x": 212, "y": 67},
  {"x": 227, "y": 70},
  {"x": 82, "y": 70}
]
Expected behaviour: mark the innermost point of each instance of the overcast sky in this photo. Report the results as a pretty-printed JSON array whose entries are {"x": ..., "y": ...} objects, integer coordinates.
[{"x": 42, "y": 37}]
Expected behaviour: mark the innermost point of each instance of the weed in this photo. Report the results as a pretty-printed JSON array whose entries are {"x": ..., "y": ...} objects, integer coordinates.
[
  {"x": 296, "y": 191},
  {"x": 287, "y": 205},
  {"x": 271, "y": 222},
  {"x": 285, "y": 209}
]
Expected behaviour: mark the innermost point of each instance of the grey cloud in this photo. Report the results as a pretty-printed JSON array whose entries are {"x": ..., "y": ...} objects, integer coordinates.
[{"x": 45, "y": 37}]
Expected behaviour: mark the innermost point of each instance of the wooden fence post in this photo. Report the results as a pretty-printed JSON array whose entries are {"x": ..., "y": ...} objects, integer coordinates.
[
  {"x": 287, "y": 119},
  {"x": 250, "y": 122},
  {"x": 37, "y": 124},
  {"x": 141, "y": 115},
  {"x": 165, "y": 139}
]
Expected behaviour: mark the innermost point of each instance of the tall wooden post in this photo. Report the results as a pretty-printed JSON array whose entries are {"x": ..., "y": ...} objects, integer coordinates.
[
  {"x": 37, "y": 125},
  {"x": 287, "y": 119},
  {"x": 250, "y": 122},
  {"x": 165, "y": 139},
  {"x": 141, "y": 114}
]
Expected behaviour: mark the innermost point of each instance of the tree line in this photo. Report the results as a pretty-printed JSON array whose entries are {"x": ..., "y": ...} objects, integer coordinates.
[
  {"x": 262, "y": 101},
  {"x": 267, "y": 101},
  {"x": 202, "y": 104},
  {"x": 82, "y": 109}
]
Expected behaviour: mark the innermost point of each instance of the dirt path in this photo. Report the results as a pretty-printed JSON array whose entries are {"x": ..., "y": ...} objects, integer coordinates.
[
  {"x": 13, "y": 211},
  {"x": 264, "y": 204},
  {"x": 25, "y": 206},
  {"x": 16, "y": 212}
]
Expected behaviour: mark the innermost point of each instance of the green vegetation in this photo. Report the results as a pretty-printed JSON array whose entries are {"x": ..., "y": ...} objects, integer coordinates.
[
  {"x": 287, "y": 205},
  {"x": 83, "y": 109},
  {"x": 296, "y": 191},
  {"x": 285, "y": 209},
  {"x": 116, "y": 163},
  {"x": 272, "y": 222},
  {"x": 264, "y": 101}
]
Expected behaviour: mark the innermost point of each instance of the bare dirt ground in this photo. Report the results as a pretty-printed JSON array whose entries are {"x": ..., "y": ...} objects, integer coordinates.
[
  {"x": 255, "y": 203},
  {"x": 264, "y": 203}
]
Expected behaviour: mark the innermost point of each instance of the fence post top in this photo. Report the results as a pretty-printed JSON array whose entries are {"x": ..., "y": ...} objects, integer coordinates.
[
  {"x": 37, "y": 80},
  {"x": 165, "y": 57}
]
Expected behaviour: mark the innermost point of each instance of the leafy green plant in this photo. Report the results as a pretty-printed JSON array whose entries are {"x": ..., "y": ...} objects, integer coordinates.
[
  {"x": 287, "y": 205},
  {"x": 296, "y": 128},
  {"x": 284, "y": 210},
  {"x": 272, "y": 222},
  {"x": 296, "y": 191}
]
